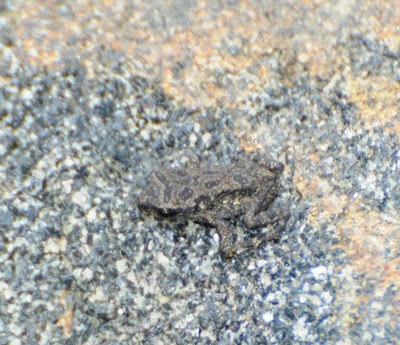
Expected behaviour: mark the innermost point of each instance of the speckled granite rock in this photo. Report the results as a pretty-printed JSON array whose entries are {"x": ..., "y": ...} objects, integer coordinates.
[{"x": 92, "y": 98}]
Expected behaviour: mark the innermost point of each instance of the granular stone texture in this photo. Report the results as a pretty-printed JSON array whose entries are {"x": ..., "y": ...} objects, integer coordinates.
[{"x": 95, "y": 96}]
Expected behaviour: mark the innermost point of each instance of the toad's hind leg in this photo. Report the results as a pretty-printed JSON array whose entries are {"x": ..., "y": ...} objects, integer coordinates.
[
  {"x": 277, "y": 216},
  {"x": 273, "y": 215}
]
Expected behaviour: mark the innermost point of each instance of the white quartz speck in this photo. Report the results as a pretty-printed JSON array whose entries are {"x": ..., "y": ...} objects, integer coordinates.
[
  {"x": 98, "y": 295},
  {"x": 267, "y": 317},
  {"x": 81, "y": 197},
  {"x": 91, "y": 216},
  {"x": 192, "y": 139},
  {"x": 207, "y": 139},
  {"x": 163, "y": 260},
  {"x": 55, "y": 245},
  {"x": 131, "y": 277},
  {"x": 122, "y": 265},
  {"x": 83, "y": 274},
  {"x": 319, "y": 272},
  {"x": 3, "y": 149},
  {"x": 67, "y": 186}
]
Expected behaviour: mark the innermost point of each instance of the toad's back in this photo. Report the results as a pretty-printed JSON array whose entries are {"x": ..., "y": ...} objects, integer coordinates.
[{"x": 187, "y": 190}]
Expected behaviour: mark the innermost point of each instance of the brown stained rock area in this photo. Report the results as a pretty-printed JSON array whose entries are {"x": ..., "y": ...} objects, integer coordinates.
[
  {"x": 377, "y": 99},
  {"x": 204, "y": 54},
  {"x": 372, "y": 240},
  {"x": 326, "y": 207},
  {"x": 207, "y": 55}
]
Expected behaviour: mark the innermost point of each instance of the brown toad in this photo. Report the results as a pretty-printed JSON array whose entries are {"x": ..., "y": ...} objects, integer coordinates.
[{"x": 215, "y": 195}]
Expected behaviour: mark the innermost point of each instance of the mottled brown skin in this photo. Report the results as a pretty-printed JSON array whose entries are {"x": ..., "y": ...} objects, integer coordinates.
[{"x": 214, "y": 195}]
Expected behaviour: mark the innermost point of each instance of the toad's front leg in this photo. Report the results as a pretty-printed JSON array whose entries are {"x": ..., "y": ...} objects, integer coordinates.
[{"x": 226, "y": 243}]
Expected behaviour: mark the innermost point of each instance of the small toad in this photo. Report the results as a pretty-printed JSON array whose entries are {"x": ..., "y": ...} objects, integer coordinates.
[{"x": 215, "y": 195}]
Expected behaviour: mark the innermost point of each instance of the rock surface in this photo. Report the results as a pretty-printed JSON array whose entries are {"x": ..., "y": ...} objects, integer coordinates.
[{"x": 94, "y": 96}]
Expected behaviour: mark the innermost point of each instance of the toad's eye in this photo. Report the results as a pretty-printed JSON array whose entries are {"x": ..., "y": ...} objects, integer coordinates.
[
  {"x": 185, "y": 194},
  {"x": 167, "y": 213},
  {"x": 160, "y": 213}
]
